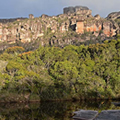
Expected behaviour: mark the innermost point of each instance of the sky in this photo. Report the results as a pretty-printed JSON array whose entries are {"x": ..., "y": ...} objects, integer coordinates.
[{"x": 22, "y": 8}]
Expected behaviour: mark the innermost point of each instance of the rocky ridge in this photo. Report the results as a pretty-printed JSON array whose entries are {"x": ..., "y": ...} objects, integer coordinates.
[{"x": 75, "y": 21}]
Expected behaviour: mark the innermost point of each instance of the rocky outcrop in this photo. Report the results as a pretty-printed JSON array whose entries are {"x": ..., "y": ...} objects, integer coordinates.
[
  {"x": 85, "y": 114},
  {"x": 4, "y": 21},
  {"x": 31, "y": 16},
  {"x": 97, "y": 24},
  {"x": 115, "y": 18},
  {"x": 78, "y": 19},
  {"x": 94, "y": 115},
  {"x": 77, "y": 9},
  {"x": 114, "y": 15},
  {"x": 97, "y": 17}
]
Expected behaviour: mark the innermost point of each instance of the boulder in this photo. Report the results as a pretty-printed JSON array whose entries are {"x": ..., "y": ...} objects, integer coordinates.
[
  {"x": 85, "y": 114},
  {"x": 109, "y": 115},
  {"x": 93, "y": 115}
]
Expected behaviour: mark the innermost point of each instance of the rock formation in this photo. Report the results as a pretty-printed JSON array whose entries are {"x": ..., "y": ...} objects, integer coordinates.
[
  {"x": 94, "y": 115},
  {"x": 31, "y": 16},
  {"x": 77, "y": 9},
  {"x": 4, "y": 21},
  {"x": 78, "y": 19},
  {"x": 114, "y": 15}
]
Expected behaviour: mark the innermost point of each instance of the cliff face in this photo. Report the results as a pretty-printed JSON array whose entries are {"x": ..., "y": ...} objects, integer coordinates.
[
  {"x": 78, "y": 19},
  {"x": 115, "y": 18}
]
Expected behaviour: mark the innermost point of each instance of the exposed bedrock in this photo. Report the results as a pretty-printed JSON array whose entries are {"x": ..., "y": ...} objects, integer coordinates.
[{"x": 78, "y": 19}]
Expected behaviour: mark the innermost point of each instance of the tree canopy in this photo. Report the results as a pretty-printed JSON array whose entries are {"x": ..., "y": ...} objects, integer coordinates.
[{"x": 91, "y": 71}]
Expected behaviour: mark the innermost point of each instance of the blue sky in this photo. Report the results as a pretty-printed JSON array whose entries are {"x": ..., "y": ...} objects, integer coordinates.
[{"x": 22, "y": 8}]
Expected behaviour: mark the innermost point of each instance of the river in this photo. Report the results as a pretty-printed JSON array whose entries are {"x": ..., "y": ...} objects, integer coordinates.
[{"x": 60, "y": 110}]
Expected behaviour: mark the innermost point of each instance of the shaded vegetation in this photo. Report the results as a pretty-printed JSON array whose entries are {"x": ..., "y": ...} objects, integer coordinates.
[{"x": 50, "y": 110}]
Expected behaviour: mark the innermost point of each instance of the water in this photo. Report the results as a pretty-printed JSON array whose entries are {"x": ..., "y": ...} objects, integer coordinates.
[{"x": 50, "y": 110}]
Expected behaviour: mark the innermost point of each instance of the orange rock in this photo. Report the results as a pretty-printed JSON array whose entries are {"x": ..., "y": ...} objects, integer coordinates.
[
  {"x": 94, "y": 29},
  {"x": 100, "y": 27},
  {"x": 80, "y": 27}
]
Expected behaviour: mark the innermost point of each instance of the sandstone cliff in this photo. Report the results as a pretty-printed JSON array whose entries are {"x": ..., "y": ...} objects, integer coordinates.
[
  {"x": 77, "y": 19},
  {"x": 115, "y": 18}
]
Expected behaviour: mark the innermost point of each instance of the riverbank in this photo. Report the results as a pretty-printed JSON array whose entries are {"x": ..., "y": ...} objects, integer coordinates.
[
  {"x": 59, "y": 110},
  {"x": 16, "y": 98}
]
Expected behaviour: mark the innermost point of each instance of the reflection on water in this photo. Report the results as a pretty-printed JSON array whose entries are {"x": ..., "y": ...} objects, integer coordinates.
[{"x": 50, "y": 110}]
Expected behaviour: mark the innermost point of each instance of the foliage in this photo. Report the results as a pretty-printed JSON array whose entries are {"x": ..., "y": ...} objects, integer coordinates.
[
  {"x": 91, "y": 71},
  {"x": 14, "y": 49}
]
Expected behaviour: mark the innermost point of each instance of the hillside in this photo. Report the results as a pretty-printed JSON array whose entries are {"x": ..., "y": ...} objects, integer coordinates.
[
  {"x": 53, "y": 73},
  {"x": 75, "y": 25},
  {"x": 60, "y": 57}
]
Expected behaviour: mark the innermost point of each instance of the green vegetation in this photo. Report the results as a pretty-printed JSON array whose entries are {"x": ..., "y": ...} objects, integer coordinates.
[{"x": 72, "y": 72}]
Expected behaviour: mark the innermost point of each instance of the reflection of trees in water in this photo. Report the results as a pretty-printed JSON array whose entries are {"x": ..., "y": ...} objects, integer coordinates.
[{"x": 50, "y": 110}]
